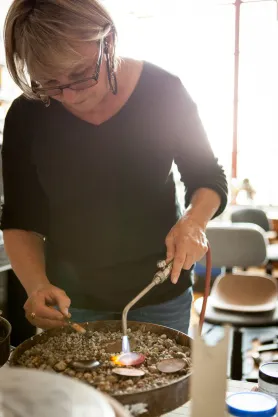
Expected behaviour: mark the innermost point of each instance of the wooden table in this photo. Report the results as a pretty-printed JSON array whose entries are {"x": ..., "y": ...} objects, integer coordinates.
[{"x": 232, "y": 386}]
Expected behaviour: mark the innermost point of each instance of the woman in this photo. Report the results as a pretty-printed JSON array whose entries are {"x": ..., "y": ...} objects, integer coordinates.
[{"x": 89, "y": 188}]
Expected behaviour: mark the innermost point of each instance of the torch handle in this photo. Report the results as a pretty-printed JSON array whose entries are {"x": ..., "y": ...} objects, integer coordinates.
[{"x": 165, "y": 270}]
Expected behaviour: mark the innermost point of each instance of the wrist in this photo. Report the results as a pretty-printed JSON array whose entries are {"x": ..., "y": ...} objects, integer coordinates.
[
  {"x": 196, "y": 216},
  {"x": 204, "y": 205},
  {"x": 36, "y": 284}
]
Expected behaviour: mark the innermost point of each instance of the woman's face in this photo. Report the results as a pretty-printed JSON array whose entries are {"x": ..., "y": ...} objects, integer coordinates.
[{"x": 85, "y": 100}]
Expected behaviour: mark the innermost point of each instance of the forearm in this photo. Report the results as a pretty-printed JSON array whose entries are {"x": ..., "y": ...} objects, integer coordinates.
[
  {"x": 26, "y": 253},
  {"x": 203, "y": 206}
]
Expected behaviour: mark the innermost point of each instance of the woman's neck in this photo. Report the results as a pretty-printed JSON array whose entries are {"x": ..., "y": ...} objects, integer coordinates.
[{"x": 128, "y": 75}]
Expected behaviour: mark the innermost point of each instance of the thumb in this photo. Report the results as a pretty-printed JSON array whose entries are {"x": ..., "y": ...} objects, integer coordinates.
[
  {"x": 170, "y": 245},
  {"x": 63, "y": 302},
  {"x": 64, "y": 305}
]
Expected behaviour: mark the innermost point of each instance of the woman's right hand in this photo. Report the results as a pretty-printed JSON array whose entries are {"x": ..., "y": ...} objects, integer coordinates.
[{"x": 39, "y": 307}]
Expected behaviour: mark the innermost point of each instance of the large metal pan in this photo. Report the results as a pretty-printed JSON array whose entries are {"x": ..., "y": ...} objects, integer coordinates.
[
  {"x": 159, "y": 400},
  {"x": 5, "y": 334}
]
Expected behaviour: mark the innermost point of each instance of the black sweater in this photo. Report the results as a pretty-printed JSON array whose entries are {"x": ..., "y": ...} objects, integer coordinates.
[{"x": 104, "y": 196}]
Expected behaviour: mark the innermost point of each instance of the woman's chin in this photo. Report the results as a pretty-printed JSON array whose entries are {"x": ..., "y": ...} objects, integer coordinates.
[{"x": 80, "y": 106}]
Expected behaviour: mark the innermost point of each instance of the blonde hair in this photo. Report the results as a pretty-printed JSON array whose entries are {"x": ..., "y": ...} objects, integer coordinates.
[{"x": 40, "y": 36}]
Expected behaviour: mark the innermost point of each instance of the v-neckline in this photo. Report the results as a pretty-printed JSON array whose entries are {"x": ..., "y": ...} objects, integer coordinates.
[{"x": 115, "y": 116}]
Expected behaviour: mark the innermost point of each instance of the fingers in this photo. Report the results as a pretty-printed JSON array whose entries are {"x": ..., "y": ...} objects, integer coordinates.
[
  {"x": 182, "y": 260},
  {"x": 179, "y": 259},
  {"x": 40, "y": 311},
  {"x": 170, "y": 246},
  {"x": 45, "y": 312},
  {"x": 179, "y": 252},
  {"x": 183, "y": 255},
  {"x": 39, "y": 308},
  {"x": 44, "y": 323},
  {"x": 173, "y": 254},
  {"x": 60, "y": 298},
  {"x": 186, "y": 244},
  {"x": 189, "y": 261}
]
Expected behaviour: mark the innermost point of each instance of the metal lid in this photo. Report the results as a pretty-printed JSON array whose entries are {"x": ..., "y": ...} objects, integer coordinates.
[
  {"x": 268, "y": 372},
  {"x": 251, "y": 404}
]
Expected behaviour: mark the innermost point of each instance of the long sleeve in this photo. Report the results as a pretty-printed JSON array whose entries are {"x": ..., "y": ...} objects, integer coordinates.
[
  {"x": 25, "y": 205},
  {"x": 197, "y": 164}
]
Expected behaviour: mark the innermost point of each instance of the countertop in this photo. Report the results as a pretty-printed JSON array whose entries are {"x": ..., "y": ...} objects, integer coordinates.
[{"x": 232, "y": 386}]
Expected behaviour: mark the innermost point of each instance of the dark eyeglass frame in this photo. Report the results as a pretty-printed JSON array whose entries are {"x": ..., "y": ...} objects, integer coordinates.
[{"x": 45, "y": 91}]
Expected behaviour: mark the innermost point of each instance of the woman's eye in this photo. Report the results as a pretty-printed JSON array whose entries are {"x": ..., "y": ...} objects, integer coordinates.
[{"x": 81, "y": 74}]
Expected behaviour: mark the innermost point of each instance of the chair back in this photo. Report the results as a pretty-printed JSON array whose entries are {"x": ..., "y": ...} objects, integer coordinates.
[
  {"x": 252, "y": 215},
  {"x": 236, "y": 245}
]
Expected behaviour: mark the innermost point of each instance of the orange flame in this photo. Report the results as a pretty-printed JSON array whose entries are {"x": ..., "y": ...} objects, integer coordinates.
[
  {"x": 116, "y": 360},
  {"x": 128, "y": 359}
]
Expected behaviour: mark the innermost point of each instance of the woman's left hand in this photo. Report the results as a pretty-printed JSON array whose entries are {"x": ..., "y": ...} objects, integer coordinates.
[{"x": 186, "y": 244}]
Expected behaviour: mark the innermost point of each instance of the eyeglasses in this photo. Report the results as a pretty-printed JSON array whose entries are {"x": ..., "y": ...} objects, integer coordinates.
[{"x": 76, "y": 85}]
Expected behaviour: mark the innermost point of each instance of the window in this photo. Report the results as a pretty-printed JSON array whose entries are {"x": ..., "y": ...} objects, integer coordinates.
[
  {"x": 258, "y": 100},
  {"x": 195, "y": 40}
]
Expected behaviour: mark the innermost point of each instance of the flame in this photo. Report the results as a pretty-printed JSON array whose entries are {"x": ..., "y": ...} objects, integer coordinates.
[
  {"x": 116, "y": 360},
  {"x": 128, "y": 359}
]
